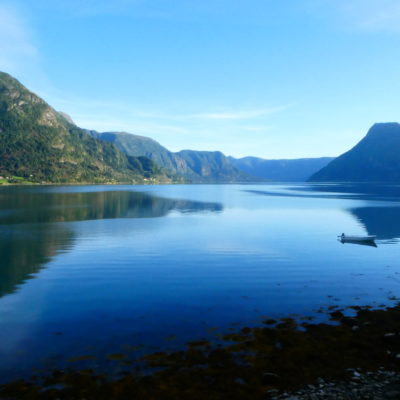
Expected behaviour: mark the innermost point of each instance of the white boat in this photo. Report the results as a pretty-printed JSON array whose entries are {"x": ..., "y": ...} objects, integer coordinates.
[{"x": 345, "y": 238}]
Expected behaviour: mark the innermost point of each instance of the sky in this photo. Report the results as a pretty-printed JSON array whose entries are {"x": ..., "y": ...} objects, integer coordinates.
[{"x": 266, "y": 78}]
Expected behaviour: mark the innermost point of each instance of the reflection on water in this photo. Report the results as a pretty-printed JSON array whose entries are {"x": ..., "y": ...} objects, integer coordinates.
[
  {"x": 372, "y": 191},
  {"x": 356, "y": 191},
  {"x": 39, "y": 207},
  {"x": 382, "y": 219},
  {"x": 25, "y": 251},
  {"x": 28, "y": 240},
  {"x": 128, "y": 268},
  {"x": 292, "y": 192},
  {"x": 384, "y": 222}
]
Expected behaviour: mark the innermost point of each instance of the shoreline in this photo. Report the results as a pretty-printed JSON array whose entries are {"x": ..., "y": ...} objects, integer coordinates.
[
  {"x": 378, "y": 385},
  {"x": 282, "y": 359},
  {"x": 136, "y": 184}
]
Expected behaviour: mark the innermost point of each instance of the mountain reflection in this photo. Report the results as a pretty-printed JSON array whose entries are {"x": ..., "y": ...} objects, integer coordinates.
[
  {"x": 25, "y": 251},
  {"x": 384, "y": 222},
  {"x": 63, "y": 207},
  {"x": 30, "y": 235},
  {"x": 367, "y": 190}
]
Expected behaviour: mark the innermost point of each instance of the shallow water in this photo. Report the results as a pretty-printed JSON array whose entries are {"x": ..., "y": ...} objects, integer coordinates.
[{"x": 95, "y": 270}]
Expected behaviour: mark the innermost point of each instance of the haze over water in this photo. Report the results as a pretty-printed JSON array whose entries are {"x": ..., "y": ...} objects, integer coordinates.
[{"x": 95, "y": 270}]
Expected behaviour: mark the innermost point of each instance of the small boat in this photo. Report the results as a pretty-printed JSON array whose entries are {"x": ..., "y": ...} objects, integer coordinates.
[
  {"x": 345, "y": 238},
  {"x": 368, "y": 240}
]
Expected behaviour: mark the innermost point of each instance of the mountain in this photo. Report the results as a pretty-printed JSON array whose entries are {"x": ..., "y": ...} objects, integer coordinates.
[
  {"x": 211, "y": 166},
  {"x": 141, "y": 146},
  {"x": 190, "y": 165},
  {"x": 296, "y": 170},
  {"x": 42, "y": 145},
  {"x": 376, "y": 158},
  {"x": 67, "y": 117}
]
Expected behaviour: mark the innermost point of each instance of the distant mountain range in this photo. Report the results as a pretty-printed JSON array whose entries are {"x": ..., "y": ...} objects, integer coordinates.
[
  {"x": 187, "y": 165},
  {"x": 213, "y": 166},
  {"x": 296, "y": 170},
  {"x": 375, "y": 158}
]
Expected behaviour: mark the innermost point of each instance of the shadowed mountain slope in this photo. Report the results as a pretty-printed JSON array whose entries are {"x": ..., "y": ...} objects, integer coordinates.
[{"x": 376, "y": 158}]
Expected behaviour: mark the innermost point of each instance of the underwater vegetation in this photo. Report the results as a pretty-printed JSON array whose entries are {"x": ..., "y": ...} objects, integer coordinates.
[{"x": 251, "y": 363}]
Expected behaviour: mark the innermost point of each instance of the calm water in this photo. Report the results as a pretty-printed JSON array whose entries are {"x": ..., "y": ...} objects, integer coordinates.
[{"x": 91, "y": 270}]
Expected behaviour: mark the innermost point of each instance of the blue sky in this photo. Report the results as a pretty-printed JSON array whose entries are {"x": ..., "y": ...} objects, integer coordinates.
[{"x": 269, "y": 78}]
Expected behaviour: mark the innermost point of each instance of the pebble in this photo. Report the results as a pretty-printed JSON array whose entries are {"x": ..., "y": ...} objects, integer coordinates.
[{"x": 379, "y": 385}]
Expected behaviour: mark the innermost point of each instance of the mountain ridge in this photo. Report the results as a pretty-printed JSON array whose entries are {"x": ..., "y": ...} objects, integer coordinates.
[
  {"x": 376, "y": 157},
  {"x": 191, "y": 165},
  {"x": 42, "y": 145},
  {"x": 282, "y": 170}
]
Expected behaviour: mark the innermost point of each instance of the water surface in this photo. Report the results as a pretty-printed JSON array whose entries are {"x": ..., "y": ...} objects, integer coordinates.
[{"x": 94, "y": 270}]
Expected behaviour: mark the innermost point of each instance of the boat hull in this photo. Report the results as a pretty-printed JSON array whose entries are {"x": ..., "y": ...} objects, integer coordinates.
[
  {"x": 360, "y": 242},
  {"x": 358, "y": 238},
  {"x": 368, "y": 240}
]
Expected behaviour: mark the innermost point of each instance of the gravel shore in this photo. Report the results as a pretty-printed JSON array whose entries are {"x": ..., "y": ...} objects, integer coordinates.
[{"x": 379, "y": 385}]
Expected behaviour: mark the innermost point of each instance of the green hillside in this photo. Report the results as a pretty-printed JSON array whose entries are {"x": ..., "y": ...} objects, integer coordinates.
[
  {"x": 211, "y": 166},
  {"x": 41, "y": 145},
  {"x": 141, "y": 146},
  {"x": 188, "y": 165}
]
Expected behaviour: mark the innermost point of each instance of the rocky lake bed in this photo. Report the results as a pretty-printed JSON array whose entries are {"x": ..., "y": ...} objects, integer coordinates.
[{"x": 355, "y": 355}]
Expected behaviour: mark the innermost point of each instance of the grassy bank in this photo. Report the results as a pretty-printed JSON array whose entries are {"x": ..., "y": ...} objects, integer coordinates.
[{"x": 15, "y": 180}]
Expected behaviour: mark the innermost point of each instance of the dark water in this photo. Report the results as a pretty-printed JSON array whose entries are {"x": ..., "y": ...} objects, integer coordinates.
[{"x": 95, "y": 270}]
